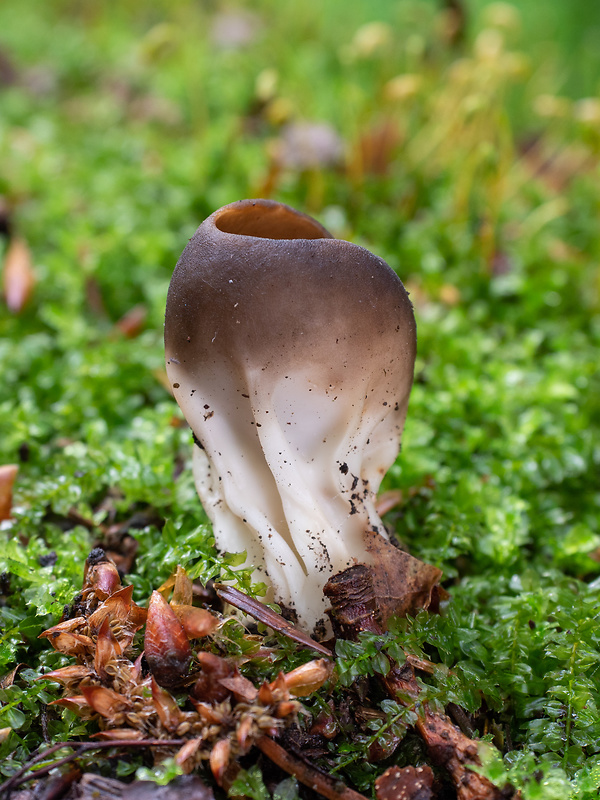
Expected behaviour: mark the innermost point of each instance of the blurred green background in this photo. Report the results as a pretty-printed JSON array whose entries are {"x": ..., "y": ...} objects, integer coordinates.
[{"x": 458, "y": 141}]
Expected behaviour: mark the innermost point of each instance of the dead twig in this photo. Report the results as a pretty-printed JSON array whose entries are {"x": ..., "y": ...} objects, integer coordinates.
[
  {"x": 354, "y": 609},
  {"x": 325, "y": 785},
  {"x": 263, "y": 614},
  {"x": 79, "y": 748},
  {"x": 447, "y": 745}
]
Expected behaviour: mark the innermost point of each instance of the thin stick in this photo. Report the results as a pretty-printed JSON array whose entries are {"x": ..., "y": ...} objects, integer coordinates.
[
  {"x": 8, "y": 784},
  {"x": 264, "y": 614},
  {"x": 329, "y": 787},
  {"x": 39, "y": 773},
  {"x": 79, "y": 748}
]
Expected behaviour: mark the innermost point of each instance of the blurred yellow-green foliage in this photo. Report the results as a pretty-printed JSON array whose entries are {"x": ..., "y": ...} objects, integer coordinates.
[{"x": 460, "y": 141}]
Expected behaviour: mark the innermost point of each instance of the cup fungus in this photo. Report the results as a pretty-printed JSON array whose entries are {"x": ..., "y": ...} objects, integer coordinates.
[{"x": 291, "y": 355}]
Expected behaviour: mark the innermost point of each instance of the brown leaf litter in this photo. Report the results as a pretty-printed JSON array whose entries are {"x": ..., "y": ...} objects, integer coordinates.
[
  {"x": 129, "y": 695},
  {"x": 180, "y": 698}
]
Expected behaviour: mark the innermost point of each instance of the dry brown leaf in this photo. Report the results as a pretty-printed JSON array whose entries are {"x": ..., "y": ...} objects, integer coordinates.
[
  {"x": 208, "y": 687},
  {"x": 5, "y": 216},
  {"x": 403, "y": 584},
  {"x": 9, "y": 679},
  {"x": 8, "y": 70},
  {"x": 107, "y": 649},
  {"x": 71, "y": 644},
  {"x": 132, "y": 323},
  {"x": 8, "y": 473},
  {"x": 93, "y": 295},
  {"x": 18, "y": 277},
  {"x": 77, "y": 704}
]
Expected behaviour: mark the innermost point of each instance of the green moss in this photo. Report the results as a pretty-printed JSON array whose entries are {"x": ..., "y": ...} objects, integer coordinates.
[{"x": 123, "y": 130}]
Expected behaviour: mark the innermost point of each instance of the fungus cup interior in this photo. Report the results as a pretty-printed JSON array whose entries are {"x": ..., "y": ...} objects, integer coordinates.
[{"x": 269, "y": 222}]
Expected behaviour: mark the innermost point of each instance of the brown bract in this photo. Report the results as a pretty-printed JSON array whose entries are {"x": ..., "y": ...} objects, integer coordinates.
[
  {"x": 196, "y": 622},
  {"x": 306, "y": 679},
  {"x": 166, "y": 644},
  {"x": 224, "y": 713}
]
